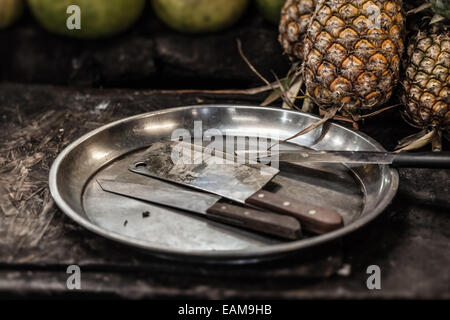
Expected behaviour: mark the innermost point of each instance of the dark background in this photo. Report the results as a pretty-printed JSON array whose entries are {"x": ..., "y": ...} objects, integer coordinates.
[{"x": 148, "y": 56}]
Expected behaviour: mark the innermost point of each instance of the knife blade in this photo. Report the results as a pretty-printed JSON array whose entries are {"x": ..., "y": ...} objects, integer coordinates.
[
  {"x": 404, "y": 159},
  {"x": 206, "y": 204},
  {"x": 222, "y": 174}
]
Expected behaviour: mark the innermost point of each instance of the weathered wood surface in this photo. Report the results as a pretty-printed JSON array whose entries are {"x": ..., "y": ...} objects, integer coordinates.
[{"x": 410, "y": 241}]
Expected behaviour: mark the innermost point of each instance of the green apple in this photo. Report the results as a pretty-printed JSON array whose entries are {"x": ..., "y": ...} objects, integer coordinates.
[
  {"x": 99, "y": 18},
  {"x": 270, "y": 9},
  {"x": 10, "y": 11},
  {"x": 199, "y": 16}
]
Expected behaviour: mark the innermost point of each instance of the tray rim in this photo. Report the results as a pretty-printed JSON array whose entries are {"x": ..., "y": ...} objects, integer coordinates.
[{"x": 227, "y": 256}]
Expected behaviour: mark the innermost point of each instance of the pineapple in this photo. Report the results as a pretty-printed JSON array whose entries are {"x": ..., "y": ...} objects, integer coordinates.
[
  {"x": 427, "y": 82},
  {"x": 352, "y": 53},
  {"x": 295, "y": 18}
]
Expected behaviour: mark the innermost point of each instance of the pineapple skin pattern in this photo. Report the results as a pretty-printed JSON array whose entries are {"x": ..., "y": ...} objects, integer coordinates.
[
  {"x": 427, "y": 81},
  {"x": 295, "y": 18},
  {"x": 353, "y": 51}
]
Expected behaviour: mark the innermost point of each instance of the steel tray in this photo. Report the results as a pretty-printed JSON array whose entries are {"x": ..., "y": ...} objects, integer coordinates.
[{"x": 359, "y": 193}]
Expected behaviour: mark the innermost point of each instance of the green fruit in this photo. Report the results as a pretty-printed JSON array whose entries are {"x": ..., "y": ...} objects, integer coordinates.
[
  {"x": 199, "y": 16},
  {"x": 99, "y": 18},
  {"x": 441, "y": 7},
  {"x": 270, "y": 9},
  {"x": 10, "y": 11}
]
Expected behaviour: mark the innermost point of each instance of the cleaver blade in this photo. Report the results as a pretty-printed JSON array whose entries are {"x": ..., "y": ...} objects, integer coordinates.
[{"x": 230, "y": 177}]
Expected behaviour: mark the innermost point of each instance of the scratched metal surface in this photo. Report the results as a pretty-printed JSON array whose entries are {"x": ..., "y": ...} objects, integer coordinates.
[
  {"x": 359, "y": 194},
  {"x": 165, "y": 227},
  {"x": 177, "y": 162}
]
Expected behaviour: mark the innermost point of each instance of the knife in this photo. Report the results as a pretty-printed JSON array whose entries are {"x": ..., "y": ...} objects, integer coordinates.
[
  {"x": 216, "y": 173},
  {"x": 206, "y": 204},
  {"x": 404, "y": 159}
]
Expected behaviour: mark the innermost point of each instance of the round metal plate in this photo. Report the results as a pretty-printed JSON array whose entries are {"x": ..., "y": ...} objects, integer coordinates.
[{"x": 359, "y": 193}]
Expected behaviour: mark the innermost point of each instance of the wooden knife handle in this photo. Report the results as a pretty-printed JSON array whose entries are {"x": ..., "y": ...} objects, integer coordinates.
[
  {"x": 264, "y": 222},
  {"x": 313, "y": 218}
]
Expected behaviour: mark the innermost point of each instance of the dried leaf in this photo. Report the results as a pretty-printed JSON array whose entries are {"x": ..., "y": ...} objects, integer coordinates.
[
  {"x": 283, "y": 92},
  {"x": 419, "y": 8},
  {"x": 272, "y": 97},
  {"x": 241, "y": 52},
  {"x": 379, "y": 111},
  {"x": 437, "y": 18},
  {"x": 409, "y": 139},
  {"x": 419, "y": 143},
  {"x": 276, "y": 93},
  {"x": 292, "y": 93},
  {"x": 327, "y": 116},
  {"x": 307, "y": 105},
  {"x": 436, "y": 143}
]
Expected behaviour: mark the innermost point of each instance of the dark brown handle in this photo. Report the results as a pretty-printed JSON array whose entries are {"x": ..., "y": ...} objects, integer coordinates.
[
  {"x": 314, "y": 219},
  {"x": 422, "y": 160},
  {"x": 264, "y": 222}
]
